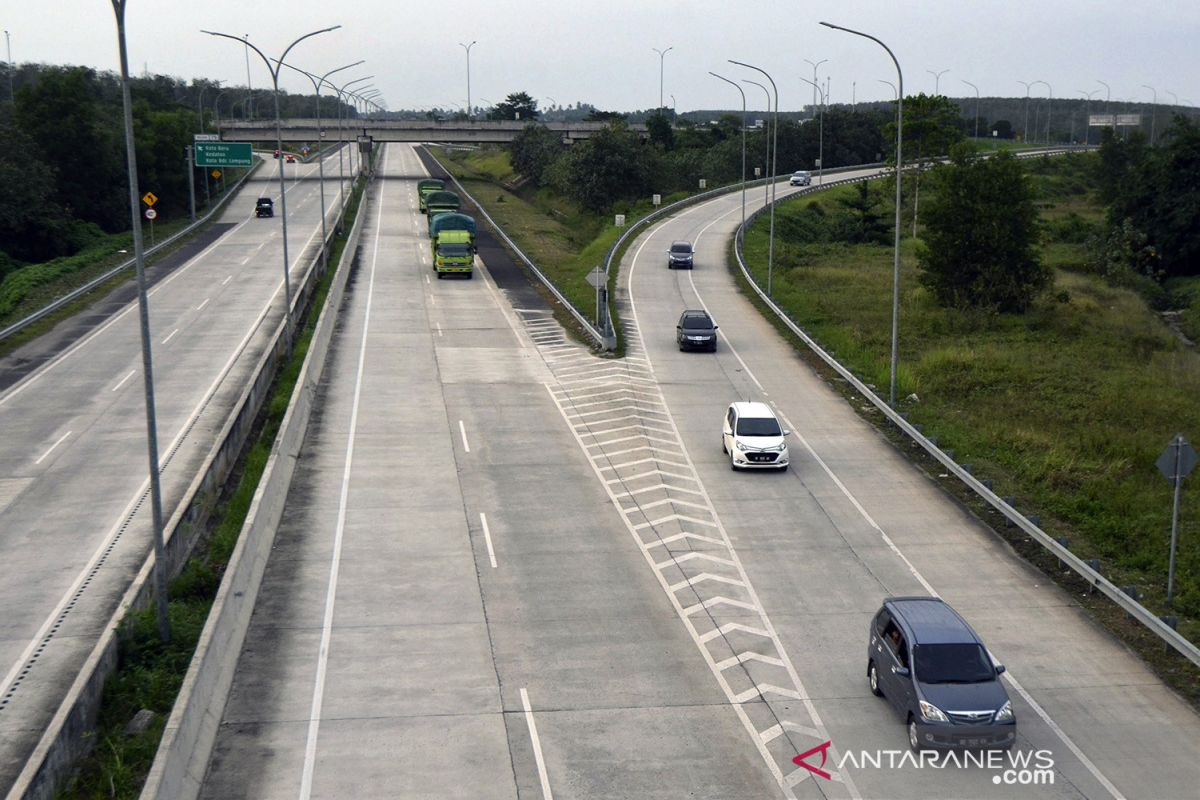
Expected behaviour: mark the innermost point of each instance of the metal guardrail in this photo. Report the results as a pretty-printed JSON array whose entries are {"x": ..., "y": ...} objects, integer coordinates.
[
  {"x": 124, "y": 265},
  {"x": 1110, "y": 590},
  {"x": 591, "y": 329}
]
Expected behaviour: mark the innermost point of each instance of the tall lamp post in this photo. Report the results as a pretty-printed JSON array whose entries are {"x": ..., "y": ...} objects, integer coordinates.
[
  {"x": 316, "y": 82},
  {"x": 814, "y": 83},
  {"x": 976, "y": 88},
  {"x": 1049, "y": 107},
  {"x": 249, "y": 112},
  {"x": 774, "y": 165},
  {"x": 343, "y": 93},
  {"x": 467, "y": 47},
  {"x": 662, "y": 56},
  {"x": 742, "y": 92},
  {"x": 895, "y": 92},
  {"x": 767, "y": 138},
  {"x": 160, "y": 561},
  {"x": 820, "y": 135},
  {"x": 274, "y": 70},
  {"x": 8, "y": 53},
  {"x": 899, "y": 165},
  {"x": 1025, "y": 125},
  {"x": 1087, "y": 112},
  {"x": 937, "y": 78}
]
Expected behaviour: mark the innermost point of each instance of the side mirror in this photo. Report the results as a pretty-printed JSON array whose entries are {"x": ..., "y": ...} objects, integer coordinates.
[
  {"x": 901, "y": 671},
  {"x": 715, "y": 327},
  {"x": 1000, "y": 669},
  {"x": 786, "y": 432}
]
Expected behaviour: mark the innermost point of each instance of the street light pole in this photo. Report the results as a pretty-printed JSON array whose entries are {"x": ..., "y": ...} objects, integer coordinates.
[
  {"x": 160, "y": 560},
  {"x": 249, "y": 113},
  {"x": 1087, "y": 112},
  {"x": 743, "y": 94},
  {"x": 767, "y": 138},
  {"x": 274, "y": 70},
  {"x": 1025, "y": 125},
  {"x": 8, "y": 52},
  {"x": 937, "y": 78},
  {"x": 899, "y": 166},
  {"x": 1049, "y": 107},
  {"x": 662, "y": 55},
  {"x": 774, "y": 166},
  {"x": 814, "y": 83},
  {"x": 344, "y": 92},
  {"x": 976, "y": 88},
  {"x": 316, "y": 82},
  {"x": 468, "y": 47},
  {"x": 895, "y": 93},
  {"x": 820, "y": 136}
]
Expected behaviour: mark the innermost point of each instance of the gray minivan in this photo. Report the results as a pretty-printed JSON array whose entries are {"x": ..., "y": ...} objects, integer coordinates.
[{"x": 936, "y": 674}]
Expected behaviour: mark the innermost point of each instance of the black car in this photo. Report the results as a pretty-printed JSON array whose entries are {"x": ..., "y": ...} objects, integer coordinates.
[
  {"x": 936, "y": 674},
  {"x": 680, "y": 255},
  {"x": 265, "y": 207},
  {"x": 696, "y": 331}
]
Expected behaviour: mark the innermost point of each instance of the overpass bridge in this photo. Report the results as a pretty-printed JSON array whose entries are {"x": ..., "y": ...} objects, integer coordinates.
[{"x": 454, "y": 132}]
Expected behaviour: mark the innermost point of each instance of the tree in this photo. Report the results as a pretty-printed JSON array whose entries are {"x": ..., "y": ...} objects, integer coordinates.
[
  {"x": 658, "y": 126},
  {"x": 1003, "y": 129},
  {"x": 609, "y": 166},
  {"x": 31, "y": 224},
  {"x": 979, "y": 247},
  {"x": 534, "y": 150},
  {"x": 931, "y": 128},
  {"x": 866, "y": 221},
  {"x": 596, "y": 115},
  {"x": 518, "y": 105}
]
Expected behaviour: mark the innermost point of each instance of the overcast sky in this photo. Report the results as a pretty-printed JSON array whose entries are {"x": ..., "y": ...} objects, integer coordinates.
[{"x": 601, "y": 51}]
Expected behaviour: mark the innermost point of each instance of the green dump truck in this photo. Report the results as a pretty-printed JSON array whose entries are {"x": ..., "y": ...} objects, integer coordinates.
[
  {"x": 425, "y": 188},
  {"x": 451, "y": 221},
  {"x": 454, "y": 254},
  {"x": 441, "y": 202}
]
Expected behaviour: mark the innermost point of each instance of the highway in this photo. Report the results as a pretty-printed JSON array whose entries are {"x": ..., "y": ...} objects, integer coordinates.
[
  {"x": 74, "y": 522},
  {"x": 510, "y": 568}
]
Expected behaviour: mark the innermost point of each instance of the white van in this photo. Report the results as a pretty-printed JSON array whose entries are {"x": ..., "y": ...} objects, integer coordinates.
[{"x": 753, "y": 438}]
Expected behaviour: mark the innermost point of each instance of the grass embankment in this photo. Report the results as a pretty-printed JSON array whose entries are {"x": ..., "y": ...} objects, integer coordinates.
[
  {"x": 566, "y": 242},
  {"x": 150, "y": 673},
  {"x": 34, "y": 286},
  {"x": 1066, "y": 407}
]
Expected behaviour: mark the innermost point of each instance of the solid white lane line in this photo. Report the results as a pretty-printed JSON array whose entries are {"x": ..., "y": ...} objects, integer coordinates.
[
  {"x": 1008, "y": 676},
  {"x": 121, "y": 383},
  {"x": 170, "y": 336},
  {"x": 439, "y": 328},
  {"x": 202, "y": 305},
  {"x": 427, "y": 279},
  {"x": 463, "y": 430},
  {"x": 56, "y": 444},
  {"x": 487, "y": 537},
  {"x": 537, "y": 746},
  {"x": 227, "y": 280},
  {"x": 314, "y": 720}
]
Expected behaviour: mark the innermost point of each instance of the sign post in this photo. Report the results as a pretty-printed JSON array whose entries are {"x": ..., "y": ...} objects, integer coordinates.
[
  {"x": 1175, "y": 463},
  {"x": 150, "y": 198},
  {"x": 598, "y": 280}
]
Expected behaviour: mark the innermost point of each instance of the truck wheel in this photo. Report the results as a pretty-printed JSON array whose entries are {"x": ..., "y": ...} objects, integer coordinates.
[{"x": 470, "y": 275}]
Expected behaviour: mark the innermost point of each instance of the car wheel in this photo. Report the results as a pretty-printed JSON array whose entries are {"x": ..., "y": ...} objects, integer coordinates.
[
  {"x": 914, "y": 740},
  {"x": 732, "y": 465},
  {"x": 724, "y": 449},
  {"x": 470, "y": 275},
  {"x": 873, "y": 679},
  {"x": 441, "y": 275},
  {"x": 784, "y": 468}
]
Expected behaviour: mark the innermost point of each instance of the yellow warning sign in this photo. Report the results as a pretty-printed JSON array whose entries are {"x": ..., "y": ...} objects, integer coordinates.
[{"x": 149, "y": 198}]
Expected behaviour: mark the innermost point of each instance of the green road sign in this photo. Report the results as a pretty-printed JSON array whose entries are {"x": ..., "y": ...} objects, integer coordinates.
[{"x": 223, "y": 154}]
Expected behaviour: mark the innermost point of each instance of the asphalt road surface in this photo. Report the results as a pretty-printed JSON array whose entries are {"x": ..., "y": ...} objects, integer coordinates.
[
  {"x": 74, "y": 524},
  {"x": 510, "y": 568}
]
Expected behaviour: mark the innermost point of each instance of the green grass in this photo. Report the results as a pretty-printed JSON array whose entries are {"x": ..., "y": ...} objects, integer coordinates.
[
  {"x": 34, "y": 286},
  {"x": 150, "y": 673},
  {"x": 565, "y": 241},
  {"x": 1065, "y": 407}
]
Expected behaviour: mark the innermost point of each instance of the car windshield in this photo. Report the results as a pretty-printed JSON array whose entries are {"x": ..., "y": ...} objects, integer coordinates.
[
  {"x": 697, "y": 323},
  {"x": 758, "y": 426},
  {"x": 453, "y": 250},
  {"x": 682, "y": 249},
  {"x": 952, "y": 663}
]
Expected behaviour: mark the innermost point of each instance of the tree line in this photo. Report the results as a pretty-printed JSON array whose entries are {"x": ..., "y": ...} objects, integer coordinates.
[{"x": 62, "y": 153}]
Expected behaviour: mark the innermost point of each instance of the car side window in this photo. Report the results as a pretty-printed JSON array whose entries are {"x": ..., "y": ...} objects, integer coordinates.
[
  {"x": 894, "y": 640},
  {"x": 732, "y": 417}
]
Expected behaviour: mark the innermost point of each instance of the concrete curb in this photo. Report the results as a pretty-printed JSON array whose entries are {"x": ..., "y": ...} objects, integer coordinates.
[{"x": 190, "y": 735}]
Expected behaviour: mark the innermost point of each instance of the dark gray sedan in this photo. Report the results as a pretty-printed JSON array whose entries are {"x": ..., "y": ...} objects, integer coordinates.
[{"x": 696, "y": 331}]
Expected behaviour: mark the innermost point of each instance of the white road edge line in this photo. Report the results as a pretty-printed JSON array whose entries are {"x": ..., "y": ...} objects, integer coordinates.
[
  {"x": 61, "y": 439},
  {"x": 170, "y": 336},
  {"x": 314, "y": 720},
  {"x": 121, "y": 383},
  {"x": 202, "y": 305},
  {"x": 227, "y": 280},
  {"x": 463, "y": 430},
  {"x": 537, "y": 746},
  {"x": 487, "y": 537},
  {"x": 1037, "y": 708}
]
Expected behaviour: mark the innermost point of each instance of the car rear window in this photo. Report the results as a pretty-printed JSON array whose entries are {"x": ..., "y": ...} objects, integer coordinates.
[
  {"x": 952, "y": 663},
  {"x": 758, "y": 426}
]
